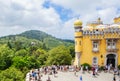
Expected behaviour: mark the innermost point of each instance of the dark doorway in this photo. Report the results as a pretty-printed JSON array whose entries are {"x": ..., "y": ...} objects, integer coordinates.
[{"x": 111, "y": 59}]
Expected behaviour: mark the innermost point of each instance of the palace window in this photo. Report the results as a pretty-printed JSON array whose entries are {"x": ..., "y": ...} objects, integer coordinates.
[
  {"x": 77, "y": 30},
  {"x": 95, "y": 61},
  {"x": 111, "y": 44},
  {"x": 95, "y": 46}
]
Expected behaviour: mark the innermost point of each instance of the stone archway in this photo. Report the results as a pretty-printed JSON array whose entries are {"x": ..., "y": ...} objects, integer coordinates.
[{"x": 111, "y": 59}]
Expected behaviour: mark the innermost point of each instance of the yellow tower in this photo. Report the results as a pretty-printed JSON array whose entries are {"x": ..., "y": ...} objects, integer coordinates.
[
  {"x": 117, "y": 20},
  {"x": 78, "y": 41}
]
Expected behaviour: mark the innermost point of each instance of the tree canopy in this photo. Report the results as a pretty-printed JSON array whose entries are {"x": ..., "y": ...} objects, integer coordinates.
[
  {"x": 59, "y": 56},
  {"x": 11, "y": 74},
  {"x": 20, "y": 53}
]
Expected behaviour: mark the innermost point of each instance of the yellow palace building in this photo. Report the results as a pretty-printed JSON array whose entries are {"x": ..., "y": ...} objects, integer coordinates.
[{"x": 97, "y": 43}]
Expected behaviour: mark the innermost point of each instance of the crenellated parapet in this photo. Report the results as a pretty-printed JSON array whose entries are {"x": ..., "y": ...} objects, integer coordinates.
[{"x": 104, "y": 32}]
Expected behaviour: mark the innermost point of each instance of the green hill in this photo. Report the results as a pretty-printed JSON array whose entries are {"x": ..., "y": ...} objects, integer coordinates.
[
  {"x": 35, "y": 34},
  {"x": 40, "y": 38}
]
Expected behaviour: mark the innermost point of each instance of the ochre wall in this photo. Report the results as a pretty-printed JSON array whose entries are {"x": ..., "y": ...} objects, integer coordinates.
[{"x": 86, "y": 49}]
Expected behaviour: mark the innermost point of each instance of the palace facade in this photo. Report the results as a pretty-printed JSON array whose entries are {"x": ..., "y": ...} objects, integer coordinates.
[{"x": 97, "y": 43}]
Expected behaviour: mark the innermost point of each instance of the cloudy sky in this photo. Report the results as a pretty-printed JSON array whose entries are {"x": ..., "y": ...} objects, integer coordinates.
[{"x": 54, "y": 17}]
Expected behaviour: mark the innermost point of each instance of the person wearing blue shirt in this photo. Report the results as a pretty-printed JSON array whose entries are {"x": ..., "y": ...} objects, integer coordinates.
[{"x": 80, "y": 78}]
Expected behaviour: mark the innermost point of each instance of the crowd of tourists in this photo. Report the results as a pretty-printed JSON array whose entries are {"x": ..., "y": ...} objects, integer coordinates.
[{"x": 37, "y": 74}]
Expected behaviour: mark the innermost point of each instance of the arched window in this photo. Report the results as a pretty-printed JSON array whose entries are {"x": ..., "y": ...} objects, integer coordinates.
[
  {"x": 95, "y": 61},
  {"x": 111, "y": 44},
  {"x": 95, "y": 46}
]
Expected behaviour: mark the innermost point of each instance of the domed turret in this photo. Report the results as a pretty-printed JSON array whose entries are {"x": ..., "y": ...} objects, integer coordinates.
[
  {"x": 78, "y": 23},
  {"x": 78, "y": 40}
]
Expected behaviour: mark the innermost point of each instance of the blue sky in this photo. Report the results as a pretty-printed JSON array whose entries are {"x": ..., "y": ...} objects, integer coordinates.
[
  {"x": 63, "y": 13},
  {"x": 55, "y": 17}
]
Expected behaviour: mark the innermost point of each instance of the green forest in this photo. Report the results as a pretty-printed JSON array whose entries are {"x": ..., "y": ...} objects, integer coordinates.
[{"x": 32, "y": 49}]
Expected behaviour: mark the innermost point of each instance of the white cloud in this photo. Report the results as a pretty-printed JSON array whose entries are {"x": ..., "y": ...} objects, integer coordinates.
[
  {"x": 30, "y": 13},
  {"x": 91, "y": 9},
  {"x": 11, "y": 30},
  {"x": 108, "y": 14},
  {"x": 21, "y": 15},
  {"x": 67, "y": 32}
]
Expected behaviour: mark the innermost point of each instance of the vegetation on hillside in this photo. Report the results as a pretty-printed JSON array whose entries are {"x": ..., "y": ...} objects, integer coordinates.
[
  {"x": 20, "y": 53},
  {"x": 35, "y": 37}
]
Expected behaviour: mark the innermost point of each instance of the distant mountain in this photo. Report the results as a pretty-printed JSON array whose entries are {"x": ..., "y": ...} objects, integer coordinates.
[
  {"x": 40, "y": 37},
  {"x": 35, "y": 34}
]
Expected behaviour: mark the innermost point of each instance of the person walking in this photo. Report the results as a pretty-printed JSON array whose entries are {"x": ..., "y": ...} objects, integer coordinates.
[
  {"x": 48, "y": 79},
  {"x": 81, "y": 68},
  {"x": 80, "y": 78},
  {"x": 114, "y": 78},
  {"x": 93, "y": 71},
  {"x": 86, "y": 67}
]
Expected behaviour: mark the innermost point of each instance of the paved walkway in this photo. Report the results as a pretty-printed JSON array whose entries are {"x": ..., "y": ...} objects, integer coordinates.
[{"x": 69, "y": 76}]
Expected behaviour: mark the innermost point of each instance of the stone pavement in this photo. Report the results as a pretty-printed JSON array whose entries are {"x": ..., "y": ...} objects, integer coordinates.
[{"x": 69, "y": 76}]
